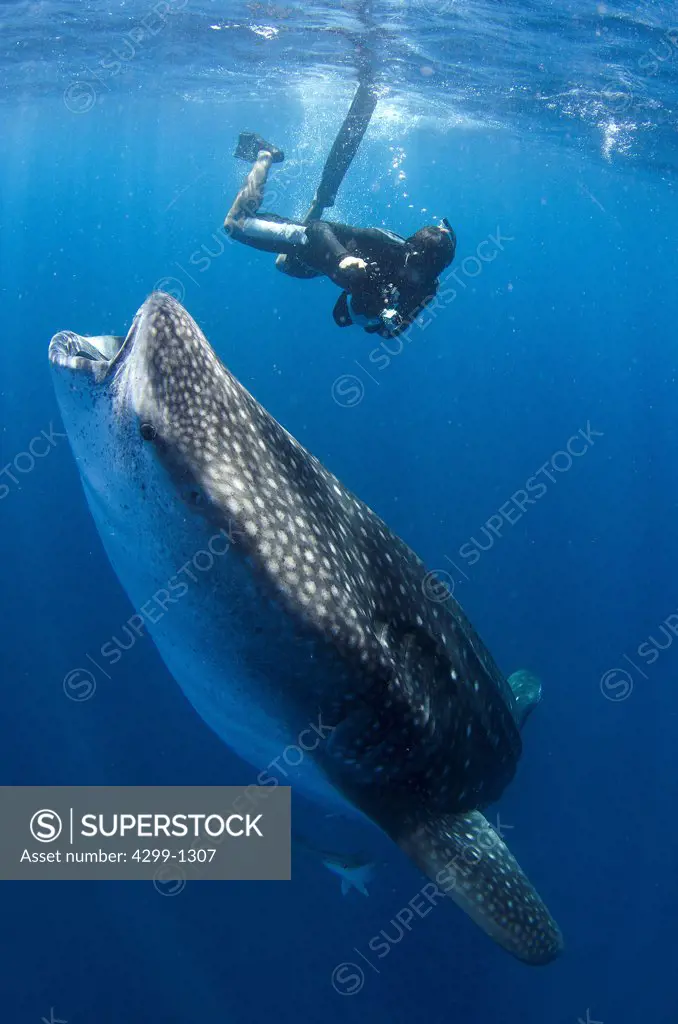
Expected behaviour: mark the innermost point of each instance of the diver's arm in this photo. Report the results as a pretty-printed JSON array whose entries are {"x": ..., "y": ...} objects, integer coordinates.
[
  {"x": 327, "y": 252},
  {"x": 379, "y": 242}
]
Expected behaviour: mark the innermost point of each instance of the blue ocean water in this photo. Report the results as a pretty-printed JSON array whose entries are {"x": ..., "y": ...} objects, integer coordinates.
[{"x": 546, "y": 134}]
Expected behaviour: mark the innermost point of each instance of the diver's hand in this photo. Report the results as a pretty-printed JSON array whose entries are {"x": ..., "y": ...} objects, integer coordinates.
[{"x": 352, "y": 263}]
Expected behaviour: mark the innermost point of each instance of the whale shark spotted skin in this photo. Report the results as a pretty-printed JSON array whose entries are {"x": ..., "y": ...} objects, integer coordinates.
[{"x": 311, "y": 617}]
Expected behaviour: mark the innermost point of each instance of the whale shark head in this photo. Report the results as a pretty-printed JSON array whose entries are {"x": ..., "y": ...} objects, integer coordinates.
[
  {"x": 318, "y": 610},
  {"x": 149, "y": 416},
  {"x": 132, "y": 404}
]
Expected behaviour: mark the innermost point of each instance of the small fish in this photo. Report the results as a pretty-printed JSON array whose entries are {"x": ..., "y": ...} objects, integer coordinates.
[{"x": 354, "y": 873}]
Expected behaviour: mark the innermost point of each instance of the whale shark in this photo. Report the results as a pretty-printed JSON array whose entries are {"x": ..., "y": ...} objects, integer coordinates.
[{"x": 290, "y": 609}]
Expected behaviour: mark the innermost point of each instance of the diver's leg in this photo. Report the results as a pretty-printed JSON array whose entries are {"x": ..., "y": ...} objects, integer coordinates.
[
  {"x": 269, "y": 233},
  {"x": 251, "y": 195}
]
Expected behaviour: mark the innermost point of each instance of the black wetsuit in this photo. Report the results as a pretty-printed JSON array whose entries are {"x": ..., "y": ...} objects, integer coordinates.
[{"x": 386, "y": 284}]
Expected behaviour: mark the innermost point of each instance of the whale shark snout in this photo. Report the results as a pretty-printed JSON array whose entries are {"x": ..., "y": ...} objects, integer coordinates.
[{"x": 313, "y": 612}]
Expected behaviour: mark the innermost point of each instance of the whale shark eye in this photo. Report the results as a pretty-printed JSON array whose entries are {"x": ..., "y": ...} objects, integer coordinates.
[{"x": 148, "y": 431}]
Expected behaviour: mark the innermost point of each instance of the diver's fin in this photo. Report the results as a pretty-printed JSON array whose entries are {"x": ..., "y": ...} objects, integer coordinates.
[
  {"x": 526, "y": 688},
  {"x": 344, "y": 149},
  {"x": 471, "y": 864},
  {"x": 339, "y": 160},
  {"x": 250, "y": 145}
]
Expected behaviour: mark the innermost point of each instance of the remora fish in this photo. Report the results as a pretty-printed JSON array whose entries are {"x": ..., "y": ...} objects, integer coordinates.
[
  {"x": 355, "y": 872},
  {"x": 314, "y": 612}
]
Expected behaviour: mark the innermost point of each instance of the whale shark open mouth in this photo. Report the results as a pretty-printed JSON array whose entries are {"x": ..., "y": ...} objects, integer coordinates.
[{"x": 94, "y": 355}]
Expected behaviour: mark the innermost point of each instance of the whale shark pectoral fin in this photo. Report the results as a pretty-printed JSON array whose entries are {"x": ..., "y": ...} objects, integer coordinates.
[
  {"x": 526, "y": 687},
  {"x": 471, "y": 864}
]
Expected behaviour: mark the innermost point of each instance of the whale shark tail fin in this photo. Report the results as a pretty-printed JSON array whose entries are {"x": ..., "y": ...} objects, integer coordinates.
[
  {"x": 469, "y": 862},
  {"x": 526, "y": 687}
]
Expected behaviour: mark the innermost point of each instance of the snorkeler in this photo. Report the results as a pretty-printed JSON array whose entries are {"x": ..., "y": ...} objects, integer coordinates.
[{"x": 386, "y": 280}]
